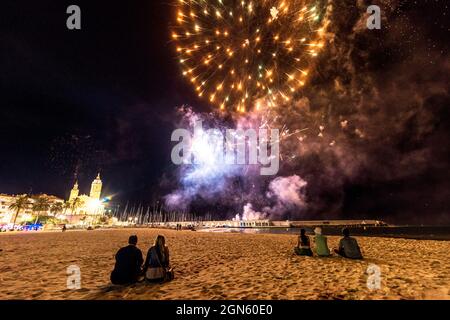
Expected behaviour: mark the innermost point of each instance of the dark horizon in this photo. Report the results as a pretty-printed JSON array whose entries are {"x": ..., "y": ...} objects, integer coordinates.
[{"x": 104, "y": 99}]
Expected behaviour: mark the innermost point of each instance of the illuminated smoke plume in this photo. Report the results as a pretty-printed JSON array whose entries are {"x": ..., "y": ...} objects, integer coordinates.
[
  {"x": 208, "y": 180},
  {"x": 249, "y": 214},
  {"x": 206, "y": 177},
  {"x": 288, "y": 193}
]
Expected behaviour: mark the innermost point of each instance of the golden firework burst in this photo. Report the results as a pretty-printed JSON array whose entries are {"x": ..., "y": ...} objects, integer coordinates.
[{"x": 238, "y": 52}]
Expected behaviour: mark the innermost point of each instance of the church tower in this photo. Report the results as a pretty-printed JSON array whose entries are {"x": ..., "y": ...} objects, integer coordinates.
[
  {"x": 74, "y": 192},
  {"x": 96, "y": 188}
]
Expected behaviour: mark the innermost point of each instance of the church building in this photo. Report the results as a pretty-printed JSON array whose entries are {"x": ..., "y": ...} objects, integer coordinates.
[{"x": 87, "y": 204}]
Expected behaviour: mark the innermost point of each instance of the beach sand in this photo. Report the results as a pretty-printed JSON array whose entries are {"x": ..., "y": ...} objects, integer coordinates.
[{"x": 220, "y": 266}]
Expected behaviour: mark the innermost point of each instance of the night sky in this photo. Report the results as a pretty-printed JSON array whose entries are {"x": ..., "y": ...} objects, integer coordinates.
[
  {"x": 103, "y": 99},
  {"x": 111, "y": 86}
]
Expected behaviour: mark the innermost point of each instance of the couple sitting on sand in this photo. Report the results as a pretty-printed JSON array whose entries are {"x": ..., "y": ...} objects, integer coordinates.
[
  {"x": 128, "y": 268},
  {"x": 348, "y": 246}
]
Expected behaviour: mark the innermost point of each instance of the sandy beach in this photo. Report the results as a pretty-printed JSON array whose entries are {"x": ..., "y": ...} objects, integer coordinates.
[{"x": 220, "y": 266}]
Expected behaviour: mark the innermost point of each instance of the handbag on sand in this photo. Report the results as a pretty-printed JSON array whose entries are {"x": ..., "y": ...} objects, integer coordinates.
[
  {"x": 160, "y": 273},
  {"x": 155, "y": 273},
  {"x": 170, "y": 275}
]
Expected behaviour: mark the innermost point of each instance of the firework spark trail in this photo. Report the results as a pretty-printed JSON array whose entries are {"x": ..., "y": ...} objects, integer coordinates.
[{"x": 236, "y": 53}]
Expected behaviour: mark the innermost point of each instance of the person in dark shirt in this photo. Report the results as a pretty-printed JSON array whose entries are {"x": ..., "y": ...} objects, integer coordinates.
[
  {"x": 348, "y": 246},
  {"x": 303, "y": 245},
  {"x": 128, "y": 263}
]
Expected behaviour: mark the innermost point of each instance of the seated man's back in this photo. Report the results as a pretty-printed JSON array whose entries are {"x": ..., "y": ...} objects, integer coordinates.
[
  {"x": 128, "y": 265},
  {"x": 350, "y": 248}
]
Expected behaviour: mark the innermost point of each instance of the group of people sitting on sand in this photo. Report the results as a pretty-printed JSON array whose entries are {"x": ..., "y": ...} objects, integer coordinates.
[
  {"x": 130, "y": 266},
  {"x": 348, "y": 246}
]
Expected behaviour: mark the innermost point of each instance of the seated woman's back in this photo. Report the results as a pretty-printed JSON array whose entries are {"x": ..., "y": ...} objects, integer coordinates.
[
  {"x": 155, "y": 259},
  {"x": 304, "y": 241},
  {"x": 304, "y": 245}
]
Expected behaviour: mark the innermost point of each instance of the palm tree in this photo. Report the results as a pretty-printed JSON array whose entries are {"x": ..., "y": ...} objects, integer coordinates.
[
  {"x": 21, "y": 203},
  {"x": 67, "y": 205},
  {"x": 56, "y": 208},
  {"x": 76, "y": 203},
  {"x": 41, "y": 203}
]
